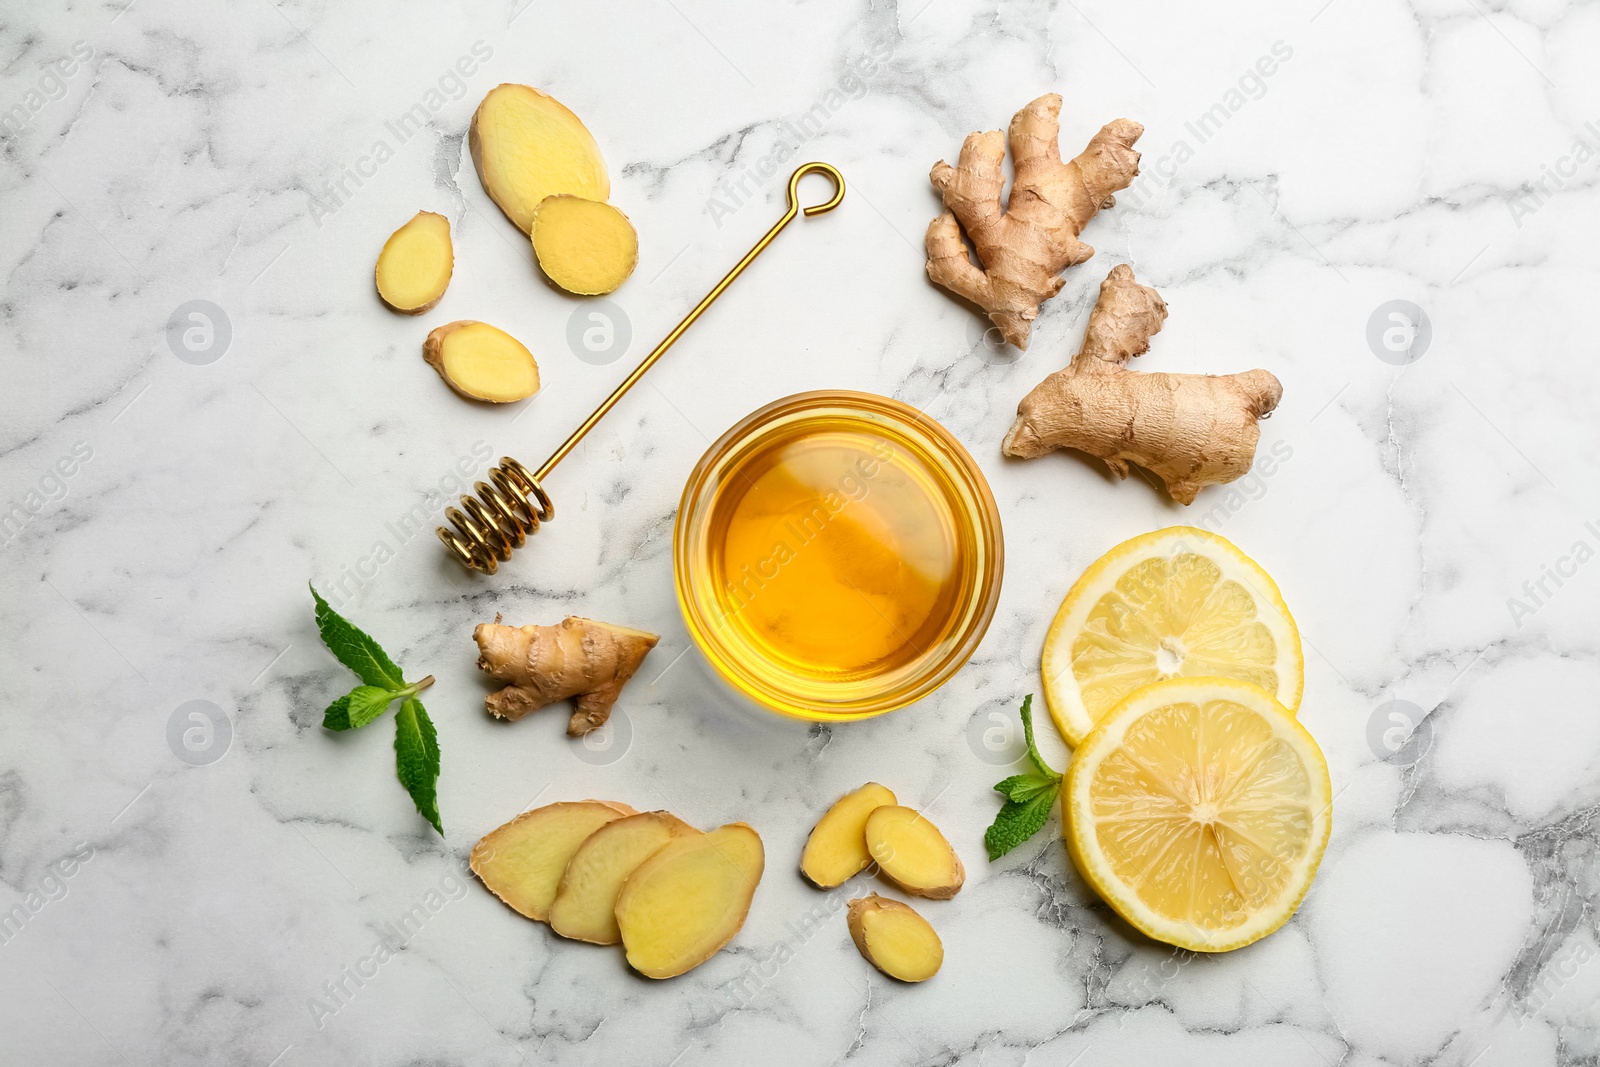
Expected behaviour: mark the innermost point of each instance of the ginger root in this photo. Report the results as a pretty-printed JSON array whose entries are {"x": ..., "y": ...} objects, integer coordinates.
[
  {"x": 586, "y": 901},
  {"x": 895, "y": 939},
  {"x": 912, "y": 853},
  {"x": 482, "y": 362},
  {"x": 680, "y": 906},
  {"x": 415, "y": 264},
  {"x": 836, "y": 851},
  {"x": 586, "y": 247},
  {"x": 1192, "y": 430},
  {"x": 527, "y": 146},
  {"x": 522, "y": 861},
  {"x": 543, "y": 664},
  {"x": 1025, "y": 247}
]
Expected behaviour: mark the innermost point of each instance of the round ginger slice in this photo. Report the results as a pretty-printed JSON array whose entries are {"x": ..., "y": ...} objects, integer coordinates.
[
  {"x": 585, "y": 246},
  {"x": 1178, "y": 602},
  {"x": 526, "y": 146},
  {"x": 482, "y": 362},
  {"x": 895, "y": 939},
  {"x": 836, "y": 851},
  {"x": 522, "y": 861},
  {"x": 1199, "y": 810},
  {"x": 680, "y": 906},
  {"x": 912, "y": 853},
  {"x": 415, "y": 265},
  {"x": 586, "y": 901}
]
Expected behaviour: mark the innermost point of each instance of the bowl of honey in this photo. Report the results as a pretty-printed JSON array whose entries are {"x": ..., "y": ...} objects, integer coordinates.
[{"x": 837, "y": 555}]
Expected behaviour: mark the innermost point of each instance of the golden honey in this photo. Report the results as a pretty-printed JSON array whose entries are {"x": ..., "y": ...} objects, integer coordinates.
[{"x": 837, "y": 555}]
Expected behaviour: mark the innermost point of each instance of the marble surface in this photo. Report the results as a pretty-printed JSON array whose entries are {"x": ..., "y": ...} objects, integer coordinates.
[{"x": 190, "y": 900}]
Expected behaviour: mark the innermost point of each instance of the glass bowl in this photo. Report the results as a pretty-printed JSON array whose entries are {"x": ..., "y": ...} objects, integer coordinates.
[{"x": 837, "y": 555}]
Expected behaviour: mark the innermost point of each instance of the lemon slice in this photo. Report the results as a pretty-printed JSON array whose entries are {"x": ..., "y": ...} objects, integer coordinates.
[
  {"x": 1179, "y": 602},
  {"x": 1199, "y": 809}
]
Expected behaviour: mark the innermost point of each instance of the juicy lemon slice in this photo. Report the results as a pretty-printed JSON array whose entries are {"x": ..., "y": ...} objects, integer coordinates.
[
  {"x": 1179, "y": 602},
  {"x": 1199, "y": 809}
]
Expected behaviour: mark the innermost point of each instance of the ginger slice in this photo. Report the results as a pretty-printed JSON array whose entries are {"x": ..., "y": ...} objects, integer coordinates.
[
  {"x": 415, "y": 265},
  {"x": 688, "y": 900},
  {"x": 482, "y": 362},
  {"x": 895, "y": 939},
  {"x": 579, "y": 658},
  {"x": 585, "y": 246},
  {"x": 522, "y": 861},
  {"x": 913, "y": 854},
  {"x": 586, "y": 901},
  {"x": 527, "y": 146},
  {"x": 1191, "y": 430},
  {"x": 837, "y": 847}
]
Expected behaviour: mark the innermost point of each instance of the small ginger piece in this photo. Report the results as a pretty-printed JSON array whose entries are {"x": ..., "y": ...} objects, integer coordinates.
[
  {"x": 415, "y": 265},
  {"x": 1192, "y": 430},
  {"x": 526, "y": 146},
  {"x": 895, "y": 939},
  {"x": 482, "y": 362},
  {"x": 586, "y": 901},
  {"x": 1025, "y": 247},
  {"x": 522, "y": 861},
  {"x": 912, "y": 853},
  {"x": 543, "y": 664},
  {"x": 680, "y": 906},
  {"x": 837, "y": 849},
  {"x": 585, "y": 246}
]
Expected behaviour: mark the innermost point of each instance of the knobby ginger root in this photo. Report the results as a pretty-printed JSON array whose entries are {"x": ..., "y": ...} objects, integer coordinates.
[
  {"x": 1025, "y": 247},
  {"x": 837, "y": 848},
  {"x": 1192, "y": 430},
  {"x": 895, "y": 939},
  {"x": 584, "y": 246},
  {"x": 527, "y": 146},
  {"x": 586, "y": 901},
  {"x": 415, "y": 265},
  {"x": 522, "y": 861},
  {"x": 912, "y": 853},
  {"x": 578, "y": 658},
  {"x": 481, "y": 362},
  {"x": 688, "y": 900}
]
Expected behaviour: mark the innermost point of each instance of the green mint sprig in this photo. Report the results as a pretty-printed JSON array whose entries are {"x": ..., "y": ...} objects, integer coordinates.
[
  {"x": 1029, "y": 797},
  {"x": 416, "y": 745}
]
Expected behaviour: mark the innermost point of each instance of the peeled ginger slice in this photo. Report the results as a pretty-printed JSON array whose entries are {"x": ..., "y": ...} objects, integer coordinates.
[
  {"x": 837, "y": 848},
  {"x": 527, "y": 146},
  {"x": 895, "y": 939},
  {"x": 522, "y": 861},
  {"x": 585, "y": 904},
  {"x": 688, "y": 900},
  {"x": 584, "y": 246},
  {"x": 482, "y": 362},
  {"x": 913, "y": 854},
  {"x": 415, "y": 265}
]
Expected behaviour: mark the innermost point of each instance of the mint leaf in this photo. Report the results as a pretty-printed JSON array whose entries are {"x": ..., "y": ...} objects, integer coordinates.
[
  {"x": 416, "y": 758},
  {"x": 1018, "y": 822},
  {"x": 1024, "y": 787},
  {"x": 1033, "y": 749},
  {"x": 358, "y": 707},
  {"x": 1029, "y": 797},
  {"x": 355, "y": 649}
]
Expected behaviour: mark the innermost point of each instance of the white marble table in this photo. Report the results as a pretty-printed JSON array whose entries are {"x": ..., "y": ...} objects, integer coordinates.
[{"x": 1431, "y": 524}]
